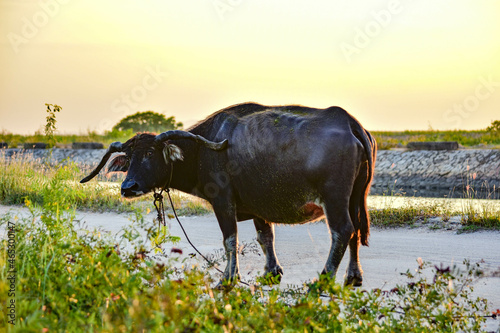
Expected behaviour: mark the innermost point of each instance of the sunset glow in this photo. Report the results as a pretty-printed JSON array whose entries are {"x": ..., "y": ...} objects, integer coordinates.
[{"x": 394, "y": 65}]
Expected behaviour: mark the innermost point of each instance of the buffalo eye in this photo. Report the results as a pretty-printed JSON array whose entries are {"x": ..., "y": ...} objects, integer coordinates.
[{"x": 149, "y": 153}]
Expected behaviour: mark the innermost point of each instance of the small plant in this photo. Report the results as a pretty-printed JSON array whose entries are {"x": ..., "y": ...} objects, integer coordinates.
[
  {"x": 159, "y": 237},
  {"x": 50, "y": 126}
]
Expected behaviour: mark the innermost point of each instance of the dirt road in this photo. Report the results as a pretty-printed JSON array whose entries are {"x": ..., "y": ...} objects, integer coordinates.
[{"x": 303, "y": 249}]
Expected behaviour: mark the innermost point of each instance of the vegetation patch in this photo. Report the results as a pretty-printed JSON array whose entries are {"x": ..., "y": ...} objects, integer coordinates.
[
  {"x": 396, "y": 139},
  {"x": 37, "y": 181},
  {"x": 73, "y": 280},
  {"x": 470, "y": 214}
]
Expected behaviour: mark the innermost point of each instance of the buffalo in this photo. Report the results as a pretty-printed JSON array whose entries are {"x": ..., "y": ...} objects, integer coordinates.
[{"x": 273, "y": 164}]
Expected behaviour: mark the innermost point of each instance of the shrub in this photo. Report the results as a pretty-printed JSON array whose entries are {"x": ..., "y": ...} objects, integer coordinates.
[{"x": 73, "y": 280}]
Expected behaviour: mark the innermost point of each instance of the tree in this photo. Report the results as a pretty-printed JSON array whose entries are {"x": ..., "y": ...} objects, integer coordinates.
[
  {"x": 147, "y": 121},
  {"x": 495, "y": 126}
]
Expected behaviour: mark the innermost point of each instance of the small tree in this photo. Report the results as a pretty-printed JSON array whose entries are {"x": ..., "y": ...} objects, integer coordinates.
[
  {"x": 147, "y": 121},
  {"x": 50, "y": 126},
  {"x": 494, "y": 127}
]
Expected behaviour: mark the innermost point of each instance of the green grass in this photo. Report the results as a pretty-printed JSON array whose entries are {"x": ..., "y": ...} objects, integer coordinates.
[
  {"x": 473, "y": 214},
  {"x": 404, "y": 216},
  {"x": 17, "y": 140},
  {"x": 387, "y": 140},
  {"x": 188, "y": 205},
  {"x": 73, "y": 281},
  {"x": 22, "y": 179}
]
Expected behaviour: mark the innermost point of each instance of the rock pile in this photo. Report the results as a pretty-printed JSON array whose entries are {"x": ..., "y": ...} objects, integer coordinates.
[{"x": 437, "y": 170}]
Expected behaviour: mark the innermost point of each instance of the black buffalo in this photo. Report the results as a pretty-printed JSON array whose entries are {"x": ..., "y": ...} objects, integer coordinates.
[{"x": 273, "y": 164}]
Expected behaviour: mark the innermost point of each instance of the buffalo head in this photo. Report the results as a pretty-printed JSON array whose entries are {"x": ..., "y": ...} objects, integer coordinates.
[{"x": 147, "y": 159}]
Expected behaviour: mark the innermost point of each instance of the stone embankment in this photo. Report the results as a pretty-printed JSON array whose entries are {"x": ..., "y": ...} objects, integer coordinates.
[
  {"x": 438, "y": 171},
  {"x": 413, "y": 172}
]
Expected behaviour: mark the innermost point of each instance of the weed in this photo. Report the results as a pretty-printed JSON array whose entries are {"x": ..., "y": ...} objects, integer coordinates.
[{"x": 50, "y": 126}]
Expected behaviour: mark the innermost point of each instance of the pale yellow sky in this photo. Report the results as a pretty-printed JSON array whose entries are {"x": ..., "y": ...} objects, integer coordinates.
[{"x": 394, "y": 65}]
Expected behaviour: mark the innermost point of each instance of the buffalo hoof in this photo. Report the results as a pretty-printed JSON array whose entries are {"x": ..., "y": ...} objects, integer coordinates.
[
  {"x": 272, "y": 276},
  {"x": 353, "y": 280}
]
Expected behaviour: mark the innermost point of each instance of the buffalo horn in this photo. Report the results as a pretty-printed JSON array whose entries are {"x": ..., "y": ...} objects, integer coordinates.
[
  {"x": 115, "y": 147},
  {"x": 176, "y": 134}
]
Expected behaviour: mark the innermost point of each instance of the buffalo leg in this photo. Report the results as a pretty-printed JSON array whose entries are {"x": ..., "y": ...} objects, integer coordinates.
[
  {"x": 341, "y": 231},
  {"x": 227, "y": 222},
  {"x": 265, "y": 237},
  {"x": 354, "y": 274}
]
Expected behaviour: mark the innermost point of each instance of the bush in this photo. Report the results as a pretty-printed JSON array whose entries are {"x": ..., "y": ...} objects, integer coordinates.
[{"x": 70, "y": 280}]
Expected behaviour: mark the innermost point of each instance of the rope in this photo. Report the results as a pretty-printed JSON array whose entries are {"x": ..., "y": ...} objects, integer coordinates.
[
  {"x": 187, "y": 237},
  {"x": 160, "y": 209}
]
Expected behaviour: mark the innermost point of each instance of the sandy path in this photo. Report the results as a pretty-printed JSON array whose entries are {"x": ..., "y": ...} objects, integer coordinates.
[{"x": 303, "y": 249}]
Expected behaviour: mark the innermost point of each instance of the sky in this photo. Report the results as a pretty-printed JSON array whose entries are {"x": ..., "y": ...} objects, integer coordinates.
[{"x": 394, "y": 65}]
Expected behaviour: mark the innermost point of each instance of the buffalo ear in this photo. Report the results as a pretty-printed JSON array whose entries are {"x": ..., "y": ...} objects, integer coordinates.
[
  {"x": 172, "y": 153},
  {"x": 118, "y": 163}
]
